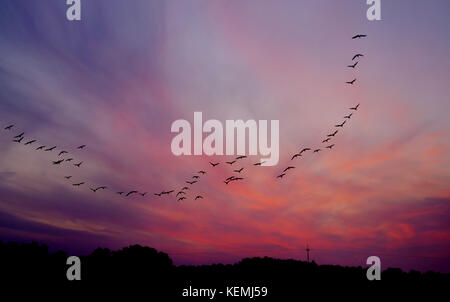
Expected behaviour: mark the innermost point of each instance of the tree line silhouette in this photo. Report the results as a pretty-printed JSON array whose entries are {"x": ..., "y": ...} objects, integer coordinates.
[{"x": 135, "y": 264}]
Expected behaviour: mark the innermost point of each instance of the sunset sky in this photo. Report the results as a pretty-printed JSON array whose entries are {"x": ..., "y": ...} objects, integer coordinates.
[{"x": 117, "y": 79}]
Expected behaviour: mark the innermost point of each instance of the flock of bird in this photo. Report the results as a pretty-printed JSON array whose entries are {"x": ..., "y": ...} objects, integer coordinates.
[
  {"x": 339, "y": 126},
  {"x": 236, "y": 165}
]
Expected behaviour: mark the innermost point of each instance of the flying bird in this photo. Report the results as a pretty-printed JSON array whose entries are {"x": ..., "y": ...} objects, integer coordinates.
[
  {"x": 201, "y": 172},
  {"x": 30, "y": 142},
  {"x": 191, "y": 182},
  {"x": 185, "y": 188},
  {"x": 78, "y": 184},
  {"x": 51, "y": 149},
  {"x": 241, "y": 157},
  {"x": 259, "y": 164},
  {"x": 81, "y": 147},
  {"x": 67, "y": 177},
  {"x": 359, "y": 36},
  {"x": 40, "y": 147},
  {"x": 19, "y": 140},
  {"x": 58, "y": 162},
  {"x": 196, "y": 176},
  {"x": 101, "y": 188},
  {"x": 167, "y": 192},
  {"x": 9, "y": 127},
  {"x": 237, "y": 178},
  {"x": 340, "y": 125},
  {"x": 304, "y": 150},
  {"x": 281, "y": 175},
  {"x": 229, "y": 178},
  {"x": 69, "y": 159},
  {"x": 181, "y": 198},
  {"x": 198, "y": 197},
  {"x": 78, "y": 165},
  {"x": 131, "y": 192},
  {"x": 316, "y": 151},
  {"x": 348, "y": 116},
  {"x": 231, "y": 162},
  {"x": 355, "y": 108},
  {"x": 351, "y": 82},
  {"x": 333, "y": 134},
  {"x": 20, "y": 135},
  {"x": 353, "y": 66},
  {"x": 62, "y": 152},
  {"x": 296, "y": 155},
  {"x": 214, "y": 164},
  {"x": 181, "y": 192},
  {"x": 239, "y": 171},
  {"x": 158, "y": 194},
  {"x": 357, "y": 56},
  {"x": 288, "y": 168},
  {"x": 326, "y": 140},
  {"x": 93, "y": 190},
  {"x": 330, "y": 146}
]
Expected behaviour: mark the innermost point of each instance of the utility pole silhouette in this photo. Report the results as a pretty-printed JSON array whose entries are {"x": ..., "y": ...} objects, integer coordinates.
[{"x": 307, "y": 252}]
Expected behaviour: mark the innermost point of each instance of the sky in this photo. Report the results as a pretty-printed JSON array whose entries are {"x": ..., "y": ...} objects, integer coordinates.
[{"x": 117, "y": 79}]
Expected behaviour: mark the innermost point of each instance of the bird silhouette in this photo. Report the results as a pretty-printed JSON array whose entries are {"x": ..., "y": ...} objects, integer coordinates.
[
  {"x": 50, "y": 149},
  {"x": 158, "y": 194},
  {"x": 81, "y": 147},
  {"x": 196, "y": 177},
  {"x": 30, "y": 142},
  {"x": 181, "y": 192},
  {"x": 351, "y": 82},
  {"x": 357, "y": 56},
  {"x": 259, "y": 164},
  {"x": 191, "y": 182},
  {"x": 330, "y": 146},
  {"x": 353, "y": 66},
  {"x": 198, "y": 197},
  {"x": 181, "y": 198},
  {"x": 355, "y": 108},
  {"x": 348, "y": 116},
  {"x": 93, "y": 190},
  {"x": 9, "y": 127},
  {"x": 237, "y": 178},
  {"x": 102, "y": 188},
  {"x": 214, "y": 164},
  {"x": 78, "y": 184},
  {"x": 333, "y": 134},
  {"x": 241, "y": 157},
  {"x": 131, "y": 192},
  {"x": 67, "y": 177},
  {"x": 62, "y": 152},
  {"x": 288, "y": 168},
  {"x": 239, "y": 170},
  {"x": 20, "y": 135},
  {"x": 19, "y": 140},
  {"x": 281, "y": 175},
  {"x": 69, "y": 159},
  {"x": 316, "y": 151},
  {"x": 231, "y": 162},
  {"x": 341, "y": 125},
  {"x": 40, "y": 148},
  {"x": 78, "y": 165},
  {"x": 296, "y": 155},
  {"x": 229, "y": 178},
  {"x": 201, "y": 172},
  {"x": 185, "y": 188},
  {"x": 304, "y": 150},
  {"x": 359, "y": 36},
  {"x": 58, "y": 162},
  {"x": 326, "y": 140},
  {"x": 167, "y": 192}
]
